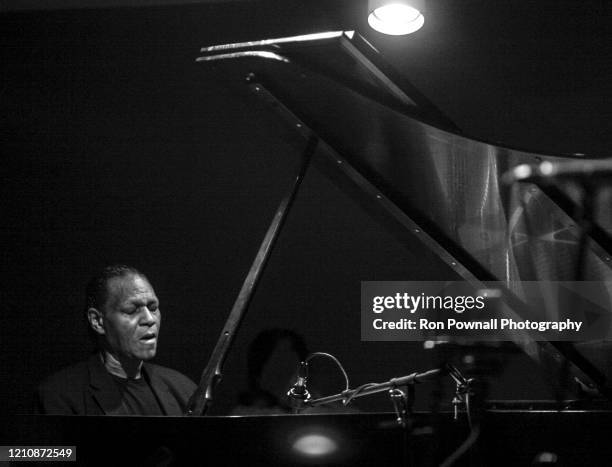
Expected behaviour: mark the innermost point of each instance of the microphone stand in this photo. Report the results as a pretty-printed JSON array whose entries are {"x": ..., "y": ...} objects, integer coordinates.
[
  {"x": 402, "y": 400},
  {"x": 372, "y": 388}
]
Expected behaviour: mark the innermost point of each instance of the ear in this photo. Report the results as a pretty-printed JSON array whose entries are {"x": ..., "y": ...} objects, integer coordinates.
[{"x": 96, "y": 320}]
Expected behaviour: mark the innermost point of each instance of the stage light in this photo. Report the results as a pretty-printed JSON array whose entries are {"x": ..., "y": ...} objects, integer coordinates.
[{"x": 396, "y": 17}]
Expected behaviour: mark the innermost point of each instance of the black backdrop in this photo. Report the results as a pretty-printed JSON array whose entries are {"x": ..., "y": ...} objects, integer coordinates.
[{"x": 117, "y": 147}]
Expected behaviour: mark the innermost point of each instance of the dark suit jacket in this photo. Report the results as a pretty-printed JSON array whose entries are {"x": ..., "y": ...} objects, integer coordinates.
[{"x": 88, "y": 389}]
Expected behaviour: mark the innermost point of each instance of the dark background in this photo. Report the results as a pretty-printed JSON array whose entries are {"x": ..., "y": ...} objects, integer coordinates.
[{"x": 117, "y": 147}]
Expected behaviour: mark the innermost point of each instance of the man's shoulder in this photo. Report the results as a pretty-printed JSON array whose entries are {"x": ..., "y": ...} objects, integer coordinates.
[
  {"x": 62, "y": 392},
  {"x": 68, "y": 376}
]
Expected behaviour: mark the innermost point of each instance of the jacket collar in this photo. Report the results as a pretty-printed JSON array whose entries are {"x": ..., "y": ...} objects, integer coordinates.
[
  {"x": 107, "y": 397},
  {"x": 160, "y": 388},
  {"x": 103, "y": 389}
]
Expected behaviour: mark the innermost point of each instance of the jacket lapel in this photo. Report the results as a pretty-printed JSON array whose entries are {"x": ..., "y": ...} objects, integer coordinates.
[
  {"x": 102, "y": 388},
  {"x": 161, "y": 390}
]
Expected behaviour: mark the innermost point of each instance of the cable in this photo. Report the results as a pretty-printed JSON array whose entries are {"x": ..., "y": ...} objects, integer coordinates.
[
  {"x": 356, "y": 392},
  {"x": 323, "y": 354},
  {"x": 468, "y": 410},
  {"x": 462, "y": 449}
]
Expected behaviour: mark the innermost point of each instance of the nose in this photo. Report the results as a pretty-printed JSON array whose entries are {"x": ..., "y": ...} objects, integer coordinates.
[{"x": 147, "y": 318}]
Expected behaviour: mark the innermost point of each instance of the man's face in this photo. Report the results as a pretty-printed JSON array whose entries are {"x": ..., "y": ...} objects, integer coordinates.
[{"x": 131, "y": 318}]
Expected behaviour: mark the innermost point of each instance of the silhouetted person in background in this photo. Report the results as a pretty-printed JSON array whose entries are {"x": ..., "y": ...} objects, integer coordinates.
[{"x": 272, "y": 360}]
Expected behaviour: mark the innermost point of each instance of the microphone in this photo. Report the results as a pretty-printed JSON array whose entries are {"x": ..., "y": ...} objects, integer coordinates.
[
  {"x": 548, "y": 170},
  {"x": 298, "y": 394}
]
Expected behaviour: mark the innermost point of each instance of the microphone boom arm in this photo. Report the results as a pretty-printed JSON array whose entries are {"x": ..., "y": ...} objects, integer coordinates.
[{"x": 373, "y": 388}]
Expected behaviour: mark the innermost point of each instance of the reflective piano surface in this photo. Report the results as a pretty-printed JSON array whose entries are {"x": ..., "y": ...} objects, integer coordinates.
[
  {"x": 449, "y": 182},
  {"x": 507, "y": 437}
]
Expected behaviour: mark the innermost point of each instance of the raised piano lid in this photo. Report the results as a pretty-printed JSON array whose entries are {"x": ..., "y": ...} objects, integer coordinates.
[{"x": 404, "y": 159}]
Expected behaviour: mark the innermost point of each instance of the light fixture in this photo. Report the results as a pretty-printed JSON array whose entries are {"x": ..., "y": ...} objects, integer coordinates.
[{"x": 396, "y": 17}]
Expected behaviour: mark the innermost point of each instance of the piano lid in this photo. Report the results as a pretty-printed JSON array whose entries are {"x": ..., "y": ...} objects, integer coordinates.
[{"x": 410, "y": 161}]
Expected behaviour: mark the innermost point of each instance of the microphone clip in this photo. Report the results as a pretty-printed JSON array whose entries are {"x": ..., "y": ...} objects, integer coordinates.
[{"x": 298, "y": 395}]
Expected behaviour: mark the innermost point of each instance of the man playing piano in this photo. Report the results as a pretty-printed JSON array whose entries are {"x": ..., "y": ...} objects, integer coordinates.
[{"x": 124, "y": 318}]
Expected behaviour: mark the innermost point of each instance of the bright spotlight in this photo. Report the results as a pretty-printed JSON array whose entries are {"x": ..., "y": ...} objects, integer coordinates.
[{"x": 396, "y": 17}]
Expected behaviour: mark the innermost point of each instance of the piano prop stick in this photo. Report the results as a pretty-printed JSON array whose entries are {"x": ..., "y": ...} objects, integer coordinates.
[{"x": 202, "y": 398}]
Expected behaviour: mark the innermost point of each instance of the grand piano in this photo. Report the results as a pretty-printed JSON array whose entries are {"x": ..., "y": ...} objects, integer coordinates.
[{"x": 337, "y": 109}]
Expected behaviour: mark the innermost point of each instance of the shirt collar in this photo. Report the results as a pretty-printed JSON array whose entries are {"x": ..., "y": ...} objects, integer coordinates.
[{"x": 113, "y": 366}]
